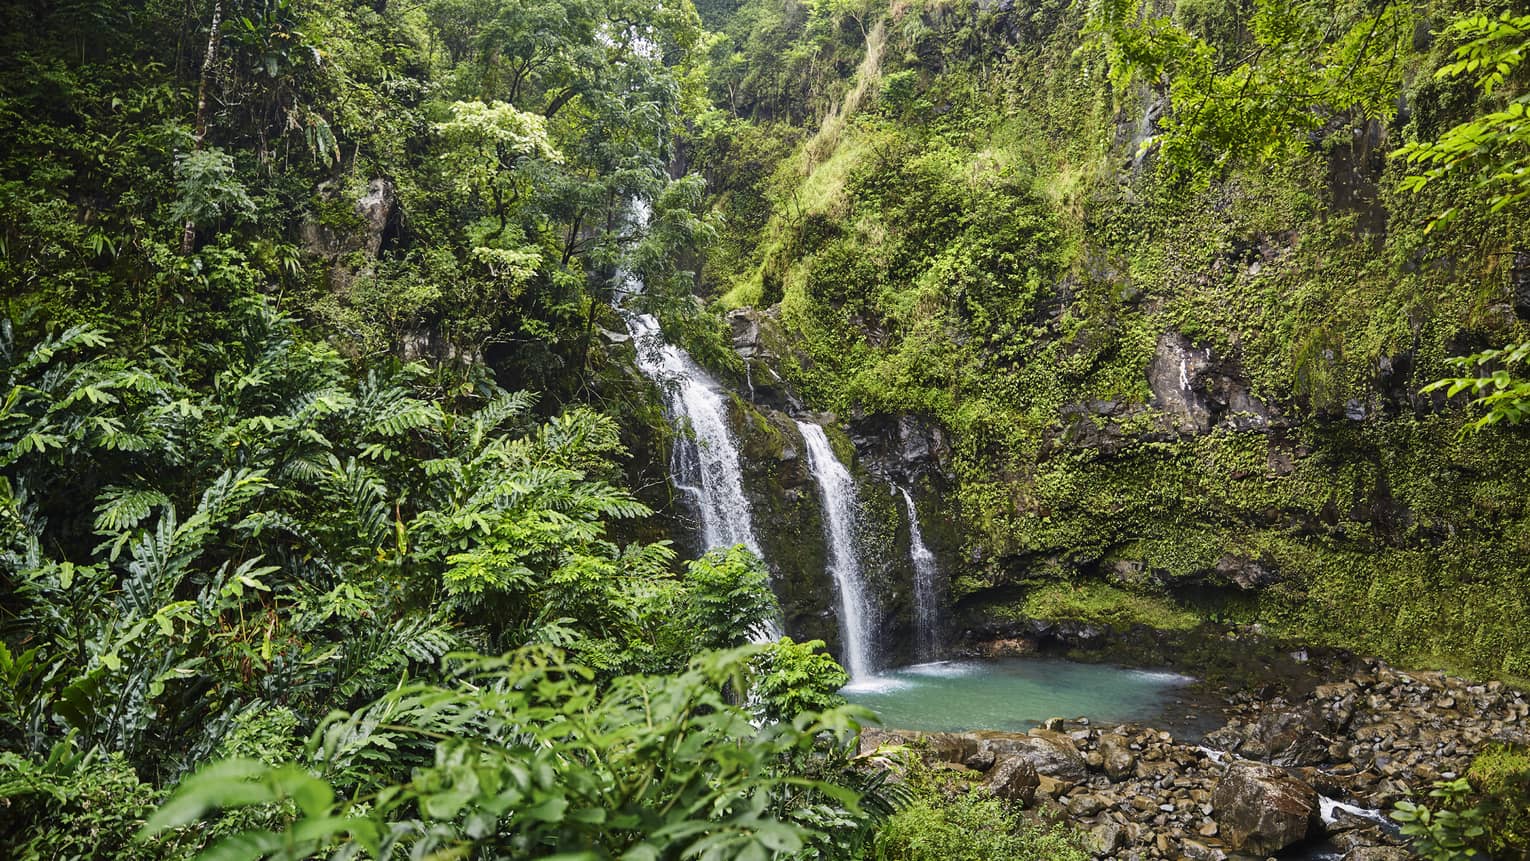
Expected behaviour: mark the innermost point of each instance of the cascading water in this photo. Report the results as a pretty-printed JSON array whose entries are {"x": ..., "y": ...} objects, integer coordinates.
[
  {"x": 704, "y": 464},
  {"x": 837, "y": 490},
  {"x": 926, "y": 606}
]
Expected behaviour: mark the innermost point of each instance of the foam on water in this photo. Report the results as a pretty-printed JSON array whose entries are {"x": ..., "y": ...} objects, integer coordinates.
[
  {"x": 943, "y": 669},
  {"x": 1329, "y": 809},
  {"x": 1163, "y": 676},
  {"x": 874, "y": 685}
]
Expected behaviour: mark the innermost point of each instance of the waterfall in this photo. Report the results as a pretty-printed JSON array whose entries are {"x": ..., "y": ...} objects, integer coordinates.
[
  {"x": 704, "y": 463},
  {"x": 837, "y": 490},
  {"x": 926, "y": 606}
]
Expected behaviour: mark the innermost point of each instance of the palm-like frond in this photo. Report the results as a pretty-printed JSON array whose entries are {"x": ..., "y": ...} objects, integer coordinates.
[{"x": 373, "y": 662}]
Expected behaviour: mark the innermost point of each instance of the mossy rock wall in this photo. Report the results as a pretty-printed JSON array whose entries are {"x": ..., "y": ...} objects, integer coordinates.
[{"x": 1201, "y": 392}]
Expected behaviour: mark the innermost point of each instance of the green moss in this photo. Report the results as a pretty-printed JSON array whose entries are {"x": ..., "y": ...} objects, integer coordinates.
[
  {"x": 1501, "y": 769},
  {"x": 1501, "y": 776},
  {"x": 979, "y": 256},
  {"x": 1106, "y": 605}
]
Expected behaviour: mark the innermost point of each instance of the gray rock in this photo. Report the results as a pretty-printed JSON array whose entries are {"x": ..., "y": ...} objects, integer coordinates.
[
  {"x": 1014, "y": 778},
  {"x": 1197, "y": 391},
  {"x": 1378, "y": 853},
  {"x": 1197, "y": 851},
  {"x": 1173, "y": 374},
  {"x": 1052, "y": 754},
  {"x": 950, "y": 746},
  {"x": 1084, "y": 806},
  {"x": 375, "y": 208},
  {"x": 1247, "y": 574},
  {"x": 1289, "y": 738},
  {"x": 980, "y": 761},
  {"x": 1103, "y": 839},
  {"x": 1116, "y": 757}
]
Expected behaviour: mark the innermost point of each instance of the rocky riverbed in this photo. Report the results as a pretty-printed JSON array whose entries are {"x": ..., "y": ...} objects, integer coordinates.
[{"x": 1266, "y": 781}]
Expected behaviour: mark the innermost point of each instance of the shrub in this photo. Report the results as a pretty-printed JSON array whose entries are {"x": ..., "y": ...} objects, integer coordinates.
[{"x": 971, "y": 827}]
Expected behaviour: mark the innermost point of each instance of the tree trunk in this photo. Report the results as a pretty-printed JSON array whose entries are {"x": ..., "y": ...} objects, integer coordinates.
[{"x": 199, "y": 129}]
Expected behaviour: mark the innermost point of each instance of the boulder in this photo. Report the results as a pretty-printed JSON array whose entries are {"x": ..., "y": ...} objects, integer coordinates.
[
  {"x": 1289, "y": 738},
  {"x": 949, "y": 746},
  {"x": 1052, "y": 788},
  {"x": 980, "y": 761},
  {"x": 1116, "y": 757},
  {"x": 1014, "y": 778},
  {"x": 1195, "y": 850},
  {"x": 1084, "y": 806},
  {"x": 1052, "y": 754},
  {"x": 1260, "y": 809},
  {"x": 1103, "y": 839}
]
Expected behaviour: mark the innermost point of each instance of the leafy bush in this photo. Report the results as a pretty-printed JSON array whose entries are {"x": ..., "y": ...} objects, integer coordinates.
[
  {"x": 970, "y": 827},
  {"x": 798, "y": 677},
  {"x": 1500, "y": 774},
  {"x": 521, "y": 757},
  {"x": 1448, "y": 832},
  {"x": 76, "y": 805}
]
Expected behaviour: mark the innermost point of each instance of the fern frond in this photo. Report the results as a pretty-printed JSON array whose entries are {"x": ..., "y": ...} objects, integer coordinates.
[
  {"x": 497, "y": 411},
  {"x": 373, "y": 662},
  {"x": 122, "y": 508},
  {"x": 403, "y": 414}
]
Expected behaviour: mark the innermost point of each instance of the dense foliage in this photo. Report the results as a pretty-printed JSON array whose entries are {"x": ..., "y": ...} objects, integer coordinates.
[
  {"x": 1174, "y": 279},
  {"x": 319, "y": 530},
  {"x": 267, "y": 266},
  {"x": 316, "y": 535}
]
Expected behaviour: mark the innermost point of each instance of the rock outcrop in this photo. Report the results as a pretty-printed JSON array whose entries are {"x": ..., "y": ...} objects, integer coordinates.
[
  {"x": 1260, "y": 809},
  {"x": 1197, "y": 390}
]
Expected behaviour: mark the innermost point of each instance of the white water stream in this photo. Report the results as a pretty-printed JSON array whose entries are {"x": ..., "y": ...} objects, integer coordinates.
[
  {"x": 837, "y": 491},
  {"x": 704, "y": 463},
  {"x": 926, "y": 600}
]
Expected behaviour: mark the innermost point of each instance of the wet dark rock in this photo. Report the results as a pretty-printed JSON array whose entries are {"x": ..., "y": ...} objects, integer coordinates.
[
  {"x": 1288, "y": 738},
  {"x": 1261, "y": 809},
  {"x": 1196, "y": 390},
  {"x": 788, "y": 518},
  {"x": 1519, "y": 283},
  {"x": 902, "y": 449},
  {"x": 1014, "y": 778},
  {"x": 760, "y": 342},
  {"x": 1247, "y": 574}
]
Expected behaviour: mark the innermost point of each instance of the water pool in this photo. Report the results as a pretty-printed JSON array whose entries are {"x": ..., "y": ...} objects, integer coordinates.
[{"x": 1015, "y": 694}]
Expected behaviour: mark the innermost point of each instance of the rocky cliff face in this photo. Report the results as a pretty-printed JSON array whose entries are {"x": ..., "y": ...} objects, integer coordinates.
[
  {"x": 884, "y": 453},
  {"x": 1124, "y": 387},
  {"x": 789, "y": 513},
  {"x": 1198, "y": 395}
]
